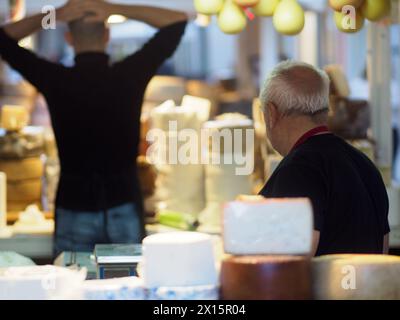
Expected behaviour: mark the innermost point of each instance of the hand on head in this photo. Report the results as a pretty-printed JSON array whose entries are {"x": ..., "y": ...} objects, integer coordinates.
[
  {"x": 90, "y": 10},
  {"x": 99, "y": 10}
]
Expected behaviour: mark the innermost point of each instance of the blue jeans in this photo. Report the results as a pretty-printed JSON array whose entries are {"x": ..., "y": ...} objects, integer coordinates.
[{"x": 80, "y": 231}]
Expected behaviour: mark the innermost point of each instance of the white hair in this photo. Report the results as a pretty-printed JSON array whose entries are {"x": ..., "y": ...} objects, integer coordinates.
[{"x": 297, "y": 88}]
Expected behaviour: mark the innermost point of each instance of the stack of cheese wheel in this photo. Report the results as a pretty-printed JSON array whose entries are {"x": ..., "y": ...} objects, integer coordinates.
[
  {"x": 179, "y": 266},
  {"x": 20, "y": 159},
  {"x": 177, "y": 170},
  {"x": 268, "y": 242},
  {"x": 230, "y": 142},
  {"x": 356, "y": 277}
]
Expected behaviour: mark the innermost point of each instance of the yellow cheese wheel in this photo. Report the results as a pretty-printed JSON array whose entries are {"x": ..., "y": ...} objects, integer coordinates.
[
  {"x": 25, "y": 190},
  {"x": 29, "y": 168},
  {"x": 356, "y": 277}
]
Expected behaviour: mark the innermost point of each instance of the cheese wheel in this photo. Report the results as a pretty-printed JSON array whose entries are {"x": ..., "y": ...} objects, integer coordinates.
[
  {"x": 184, "y": 293},
  {"x": 17, "y": 206},
  {"x": 14, "y": 118},
  {"x": 29, "y": 168},
  {"x": 127, "y": 288},
  {"x": 25, "y": 190},
  {"x": 268, "y": 226},
  {"x": 266, "y": 278},
  {"x": 179, "y": 259},
  {"x": 356, "y": 277}
]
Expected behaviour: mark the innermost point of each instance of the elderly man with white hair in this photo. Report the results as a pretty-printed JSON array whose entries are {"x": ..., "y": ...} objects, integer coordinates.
[{"x": 347, "y": 191}]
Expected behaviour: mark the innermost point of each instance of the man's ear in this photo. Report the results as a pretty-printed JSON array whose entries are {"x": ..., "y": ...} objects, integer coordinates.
[
  {"x": 68, "y": 37},
  {"x": 273, "y": 115}
]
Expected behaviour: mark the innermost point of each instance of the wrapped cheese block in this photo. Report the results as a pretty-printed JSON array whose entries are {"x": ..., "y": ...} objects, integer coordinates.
[
  {"x": 268, "y": 226},
  {"x": 179, "y": 259},
  {"x": 12, "y": 259},
  {"x": 39, "y": 282},
  {"x": 356, "y": 277},
  {"x": 266, "y": 278},
  {"x": 29, "y": 142}
]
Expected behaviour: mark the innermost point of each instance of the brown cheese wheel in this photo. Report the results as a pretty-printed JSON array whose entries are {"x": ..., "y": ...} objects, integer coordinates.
[
  {"x": 266, "y": 278},
  {"x": 29, "y": 168},
  {"x": 28, "y": 190}
]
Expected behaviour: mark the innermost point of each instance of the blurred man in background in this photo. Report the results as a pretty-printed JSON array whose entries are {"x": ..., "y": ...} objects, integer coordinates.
[{"x": 95, "y": 110}]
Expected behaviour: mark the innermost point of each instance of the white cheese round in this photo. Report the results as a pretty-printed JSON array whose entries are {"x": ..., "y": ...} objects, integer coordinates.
[
  {"x": 179, "y": 259},
  {"x": 268, "y": 226}
]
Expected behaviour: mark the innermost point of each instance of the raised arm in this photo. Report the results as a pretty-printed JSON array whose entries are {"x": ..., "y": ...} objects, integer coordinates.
[
  {"x": 153, "y": 16},
  {"x": 24, "y": 28},
  {"x": 38, "y": 71},
  {"x": 73, "y": 9}
]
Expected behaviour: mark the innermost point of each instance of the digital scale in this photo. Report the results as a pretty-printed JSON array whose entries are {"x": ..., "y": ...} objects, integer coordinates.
[
  {"x": 116, "y": 260},
  {"x": 107, "y": 261}
]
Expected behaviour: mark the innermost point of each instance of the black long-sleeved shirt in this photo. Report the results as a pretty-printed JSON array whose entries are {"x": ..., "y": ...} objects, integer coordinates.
[
  {"x": 349, "y": 197},
  {"x": 95, "y": 111}
]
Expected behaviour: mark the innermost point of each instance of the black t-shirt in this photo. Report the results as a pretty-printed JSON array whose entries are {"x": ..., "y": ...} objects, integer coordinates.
[
  {"x": 347, "y": 191},
  {"x": 95, "y": 111}
]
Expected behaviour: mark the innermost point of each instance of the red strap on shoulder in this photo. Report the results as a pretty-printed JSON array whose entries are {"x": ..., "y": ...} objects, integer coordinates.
[{"x": 311, "y": 133}]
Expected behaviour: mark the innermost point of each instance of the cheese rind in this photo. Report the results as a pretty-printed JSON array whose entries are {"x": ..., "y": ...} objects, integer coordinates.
[
  {"x": 184, "y": 293},
  {"x": 179, "y": 259},
  {"x": 356, "y": 277},
  {"x": 270, "y": 226},
  {"x": 266, "y": 278}
]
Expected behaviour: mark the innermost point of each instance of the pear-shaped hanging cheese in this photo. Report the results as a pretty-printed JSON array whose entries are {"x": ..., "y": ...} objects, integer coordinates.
[
  {"x": 349, "y": 23},
  {"x": 266, "y": 8},
  {"x": 231, "y": 19},
  {"x": 246, "y": 3},
  {"x": 289, "y": 17},
  {"x": 375, "y": 10},
  {"x": 208, "y": 7},
  {"x": 337, "y": 5}
]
